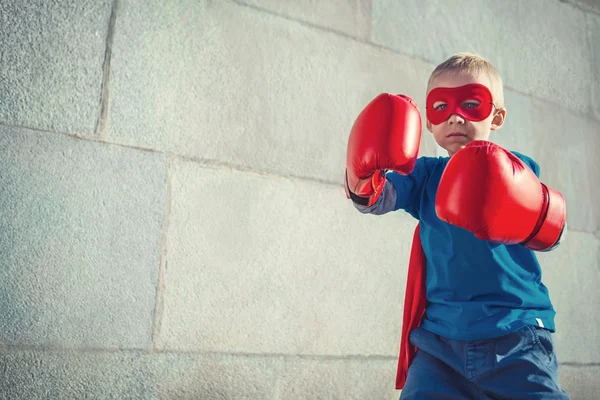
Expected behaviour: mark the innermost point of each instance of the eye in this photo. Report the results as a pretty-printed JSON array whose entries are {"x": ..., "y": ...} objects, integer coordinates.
[
  {"x": 470, "y": 104},
  {"x": 438, "y": 106}
]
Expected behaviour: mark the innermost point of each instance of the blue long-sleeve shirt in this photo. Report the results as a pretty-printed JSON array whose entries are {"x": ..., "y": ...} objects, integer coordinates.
[{"x": 475, "y": 289}]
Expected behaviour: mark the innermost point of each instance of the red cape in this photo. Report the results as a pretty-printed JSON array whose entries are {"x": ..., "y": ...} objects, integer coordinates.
[{"x": 414, "y": 306}]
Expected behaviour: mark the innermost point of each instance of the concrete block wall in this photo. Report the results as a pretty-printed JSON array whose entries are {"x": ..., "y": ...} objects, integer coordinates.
[{"x": 172, "y": 219}]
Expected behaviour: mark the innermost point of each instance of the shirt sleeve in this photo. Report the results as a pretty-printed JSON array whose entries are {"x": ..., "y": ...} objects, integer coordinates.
[
  {"x": 529, "y": 162},
  {"x": 410, "y": 187}
]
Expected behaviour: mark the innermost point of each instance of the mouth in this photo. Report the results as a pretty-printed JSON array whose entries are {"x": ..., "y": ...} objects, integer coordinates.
[{"x": 456, "y": 134}]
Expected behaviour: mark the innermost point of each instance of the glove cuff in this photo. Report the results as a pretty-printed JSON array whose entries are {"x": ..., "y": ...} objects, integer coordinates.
[
  {"x": 376, "y": 184},
  {"x": 553, "y": 222}
]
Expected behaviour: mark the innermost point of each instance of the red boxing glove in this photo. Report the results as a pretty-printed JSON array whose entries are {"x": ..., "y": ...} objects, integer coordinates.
[
  {"x": 489, "y": 191},
  {"x": 385, "y": 136}
]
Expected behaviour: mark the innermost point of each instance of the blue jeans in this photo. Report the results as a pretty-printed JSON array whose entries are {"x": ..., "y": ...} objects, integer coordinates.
[{"x": 520, "y": 365}]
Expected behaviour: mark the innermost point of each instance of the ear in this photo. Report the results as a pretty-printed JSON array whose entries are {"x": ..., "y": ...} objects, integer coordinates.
[
  {"x": 428, "y": 124},
  {"x": 498, "y": 119}
]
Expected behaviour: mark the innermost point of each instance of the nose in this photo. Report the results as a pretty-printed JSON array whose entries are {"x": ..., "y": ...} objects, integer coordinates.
[{"x": 456, "y": 119}]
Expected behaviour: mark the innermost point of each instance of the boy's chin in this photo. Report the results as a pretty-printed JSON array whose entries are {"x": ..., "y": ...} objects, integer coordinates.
[{"x": 453, "y": 148}]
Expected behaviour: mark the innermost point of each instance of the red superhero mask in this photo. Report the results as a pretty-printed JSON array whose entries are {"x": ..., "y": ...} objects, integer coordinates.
[{"x": 460, "y": 101}]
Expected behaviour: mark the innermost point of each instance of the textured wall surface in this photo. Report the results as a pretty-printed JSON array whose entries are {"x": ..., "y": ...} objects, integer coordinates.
[{"x": 172, "y": 219}]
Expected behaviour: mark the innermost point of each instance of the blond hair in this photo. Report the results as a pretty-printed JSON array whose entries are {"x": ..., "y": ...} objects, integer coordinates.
[{"x": 472, "y": 64}]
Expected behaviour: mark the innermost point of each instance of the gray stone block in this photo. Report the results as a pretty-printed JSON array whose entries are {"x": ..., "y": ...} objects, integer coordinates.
[
  {"x": 352, "y": 17},
  {"x": 572, "y": 272},
  {"x": 246, "y": 88},
  {"x": 581, "y": 382},
  {"x": 51, "y": 59},
  {"x": 587, "y": 5},
  {"x": 566, "y": 146},
  {"x": 593, "y": 30},
  {"x": 264, "y": 264},
  {"x": 538, "y": 46},
  {"x": 338, "y": 379},
  {"x": 38, "y": 375},
  {"x": 80, "y": 241},
  {"x": 219, "y": 377}
]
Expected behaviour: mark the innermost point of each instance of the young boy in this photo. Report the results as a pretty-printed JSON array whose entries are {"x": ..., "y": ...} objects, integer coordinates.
[{"x": 486, "y": 329}]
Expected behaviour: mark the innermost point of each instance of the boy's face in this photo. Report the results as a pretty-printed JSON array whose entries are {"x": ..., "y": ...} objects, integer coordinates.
[{"x": 461, "y": 128}]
